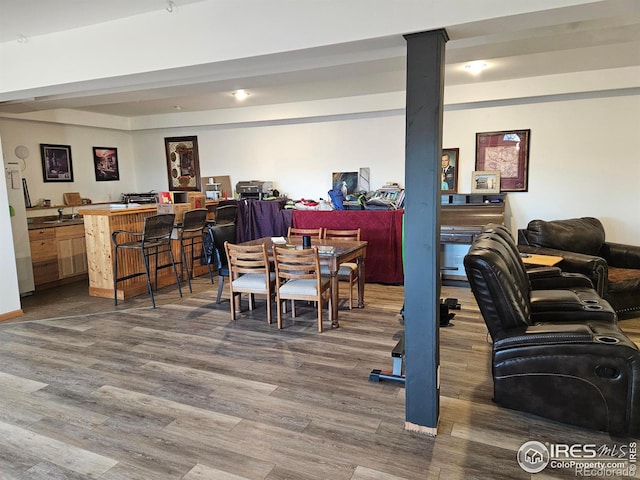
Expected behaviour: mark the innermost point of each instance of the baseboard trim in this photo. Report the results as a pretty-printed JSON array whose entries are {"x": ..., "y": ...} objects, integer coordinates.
[{"x": 10, "y": 315}]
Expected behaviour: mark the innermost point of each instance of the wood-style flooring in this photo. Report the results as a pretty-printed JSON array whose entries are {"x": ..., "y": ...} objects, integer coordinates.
[{"x": 89, "y": 391}]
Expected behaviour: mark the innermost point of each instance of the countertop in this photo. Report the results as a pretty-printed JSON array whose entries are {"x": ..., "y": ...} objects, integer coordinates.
[{"x": 37, "y": 223}]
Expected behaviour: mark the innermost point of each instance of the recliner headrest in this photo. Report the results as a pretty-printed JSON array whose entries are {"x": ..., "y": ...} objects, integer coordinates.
[{"x": 581, "y": 235}]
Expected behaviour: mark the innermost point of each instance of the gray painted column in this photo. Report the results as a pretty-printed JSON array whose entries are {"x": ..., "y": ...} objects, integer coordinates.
[{"x": 425, "y": 87}]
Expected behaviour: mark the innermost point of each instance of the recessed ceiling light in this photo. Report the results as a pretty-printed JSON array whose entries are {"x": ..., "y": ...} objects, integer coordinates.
[
  {"x": 240, "y": 94},
  {"x": 475, "y": 67},
  {"x": 177, "y": 107}
]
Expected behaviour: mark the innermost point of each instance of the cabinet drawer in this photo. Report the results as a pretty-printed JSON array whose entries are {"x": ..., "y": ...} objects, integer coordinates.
[
  {"x": 43, "y": 249},
  {"x": 45, "y": 272},
  {"x": 41, "y": 233},
  {"x": 70, "y": 231}
]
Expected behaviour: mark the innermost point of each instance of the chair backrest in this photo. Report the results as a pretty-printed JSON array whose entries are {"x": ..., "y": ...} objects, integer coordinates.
[
  {"x": 342, "y": 234},
  {"x": 222, "y": 234},
  {"x": 312, "y": 232},
  {"x": 297, "y": 264},
  {"x": 158, "y": 227},
  {"x": 225, "y": 214},
  {"x": 502, "y": 300},
  {"x": 194, "y": 220},
  {"x": 581, "y": 235},
  {"x": 247, "y": 259},
  {"x": 502, "y": 235}
]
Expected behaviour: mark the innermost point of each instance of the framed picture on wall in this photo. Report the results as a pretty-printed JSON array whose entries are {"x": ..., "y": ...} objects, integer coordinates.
[
  {"x": 485, "y": 181},
  {"x": 105, "y": 163},
  {"x": 507, "y": 152},
  {"x": 183, "y": 163},
  {"x": 56, "y": 163},
  {"x": 449, "y": 172}
]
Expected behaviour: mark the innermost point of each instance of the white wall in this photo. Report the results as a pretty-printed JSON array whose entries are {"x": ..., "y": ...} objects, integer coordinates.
[
  {"x": 9, "y": 293},
  {"x": 582, "y": 161},
  {"x": 298, "y": 158},
  {"x": 81, "y": 140}
]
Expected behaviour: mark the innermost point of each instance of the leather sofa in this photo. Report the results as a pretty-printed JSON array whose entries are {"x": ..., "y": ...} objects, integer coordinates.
[
  {"x": 583, "y": 371},
  {"x": 549, "y": 290},
  {"x": 613, "y": 268}
]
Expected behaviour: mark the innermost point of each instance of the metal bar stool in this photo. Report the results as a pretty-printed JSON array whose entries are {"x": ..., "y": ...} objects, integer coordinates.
[
  {"x": 152, "y": 241},
  {"x": 190, "y": 233}
]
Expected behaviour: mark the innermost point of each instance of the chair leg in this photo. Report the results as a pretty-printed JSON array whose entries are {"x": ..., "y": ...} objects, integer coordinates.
[
  {"x": 175, "y": 270},
  {"x": 220, "y": 286},
  {"x": 269, "y": 295},
  {"x": 115, "y": 276},
  {"x": 183, "y": 263},
  {"x": 320, "y": 303},
  {"x": 232, "y": 305},
  {"x": 145, "y": 260},
  {"x": 279, "y": 311},
  {"x": 351, "y": 291}
]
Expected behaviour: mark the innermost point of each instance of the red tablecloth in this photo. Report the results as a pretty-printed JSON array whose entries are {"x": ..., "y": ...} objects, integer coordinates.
[{"x": 382, "y": 229}]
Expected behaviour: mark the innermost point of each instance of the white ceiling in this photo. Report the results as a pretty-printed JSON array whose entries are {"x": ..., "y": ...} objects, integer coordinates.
[{"x": 597, "y": 36}]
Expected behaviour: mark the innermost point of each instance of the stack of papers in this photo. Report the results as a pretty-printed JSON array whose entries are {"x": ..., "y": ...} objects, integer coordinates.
[{"x": 278, "y": 240}]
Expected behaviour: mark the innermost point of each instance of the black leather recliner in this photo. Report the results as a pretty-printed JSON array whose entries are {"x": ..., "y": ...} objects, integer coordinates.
[
  {"x": 613, "y": 268},
  {"x": 584, "y": 372},
  {"x": 550, "y": 291}
]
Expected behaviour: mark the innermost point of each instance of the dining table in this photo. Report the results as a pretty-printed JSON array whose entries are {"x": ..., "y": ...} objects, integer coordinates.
[{"x": 332, "y": 253}]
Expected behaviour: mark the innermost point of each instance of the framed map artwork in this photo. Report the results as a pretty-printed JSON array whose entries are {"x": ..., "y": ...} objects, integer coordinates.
[{"x": 508, "y": 153}]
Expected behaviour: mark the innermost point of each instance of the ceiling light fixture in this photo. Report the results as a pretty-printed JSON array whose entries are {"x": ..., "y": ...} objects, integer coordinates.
[
  {"x": 22, "y": 39},
  {"x": 475, "y": 67},
  {"x": 240, "y": 94},
  {"x": 169, "y": 8},
  {"x": 177, "y": 107}
]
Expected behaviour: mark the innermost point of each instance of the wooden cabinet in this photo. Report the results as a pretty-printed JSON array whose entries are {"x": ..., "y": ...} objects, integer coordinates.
[
  {"x": 44, "y": 256},
  {"x": 71, "y": 251},
  {"x": 57, "y": 254}
]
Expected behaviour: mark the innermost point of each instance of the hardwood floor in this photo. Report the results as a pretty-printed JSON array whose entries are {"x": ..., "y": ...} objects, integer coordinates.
[{"x": 182, "y": 392}]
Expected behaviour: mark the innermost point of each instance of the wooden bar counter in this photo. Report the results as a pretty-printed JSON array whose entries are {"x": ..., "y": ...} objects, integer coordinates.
[{"x": 100, "y": 222}]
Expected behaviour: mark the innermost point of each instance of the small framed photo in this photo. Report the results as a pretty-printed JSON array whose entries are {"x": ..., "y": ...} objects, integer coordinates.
[
  {"x": 183, "y": 163},
  {"x": 56, "y": 163},
  {"x": 449, "y": 172},
  {"x": 485, "y": 181},
  {"x": 507, "y": 152},
  {"x": 105, "y": 163}
]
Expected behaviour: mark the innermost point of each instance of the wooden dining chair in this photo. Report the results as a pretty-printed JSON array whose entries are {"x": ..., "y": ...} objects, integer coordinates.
[
  {"x": 298, "y": 277},
  {"x": 249, "y": 272},
  {"x": 299, "y": 232},
  {"x": 348, "y": 271}
]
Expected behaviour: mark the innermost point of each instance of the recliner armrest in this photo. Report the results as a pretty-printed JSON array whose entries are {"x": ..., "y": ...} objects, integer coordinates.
[
  {"x": 548, "y": 278},
  {"x": 548, "y": 334},
  {"x": 620, "y": 255},
  {"x": 592, "y": 266}
]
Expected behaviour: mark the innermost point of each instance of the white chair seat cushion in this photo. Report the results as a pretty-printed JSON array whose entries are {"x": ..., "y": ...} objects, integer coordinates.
[
  {"x": 252, "y": 280},
  {"x": 305, "y": 286},
  {"x": 344, "y": 269}
]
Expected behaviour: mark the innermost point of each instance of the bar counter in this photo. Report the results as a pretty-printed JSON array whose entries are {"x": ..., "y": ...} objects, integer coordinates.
[{"x": 100, "y": 222}]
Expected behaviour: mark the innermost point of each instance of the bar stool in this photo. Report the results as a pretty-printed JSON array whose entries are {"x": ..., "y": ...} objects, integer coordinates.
[
  {"x": 152, "y": 241},
  {"x": 191, "y": 233}
]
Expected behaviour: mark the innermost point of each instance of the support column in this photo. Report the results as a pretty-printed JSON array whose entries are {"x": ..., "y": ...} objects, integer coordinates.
[{"x": 425, "y": 88}]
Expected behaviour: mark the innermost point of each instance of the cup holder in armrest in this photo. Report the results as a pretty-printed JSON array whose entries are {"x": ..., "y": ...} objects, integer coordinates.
[
  {"x": 606, "y": 339},
  {"x": 593, "y": 307},
  {"x": 590, "y": 301}
]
